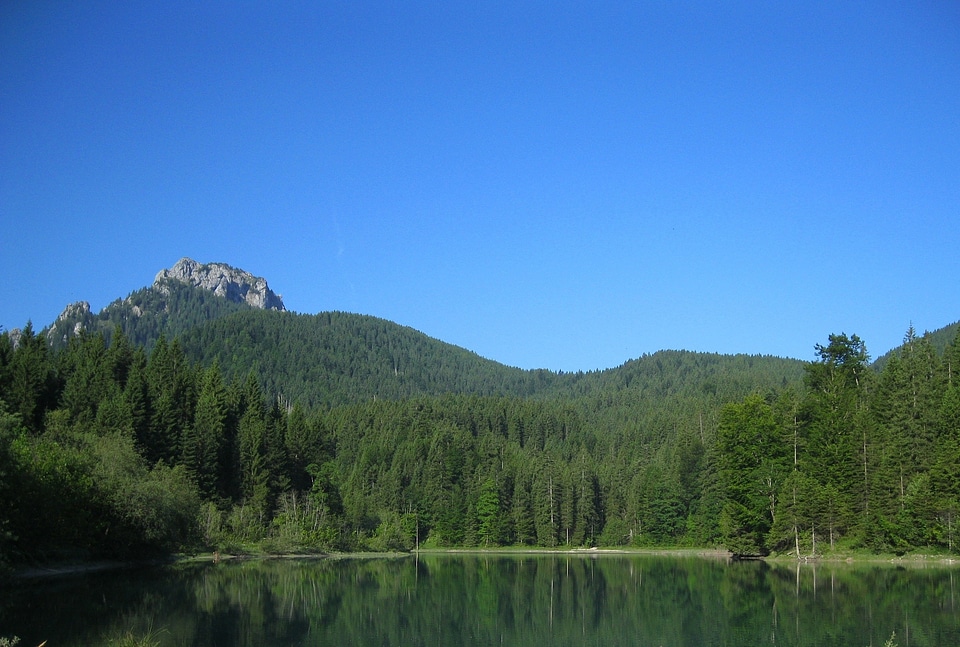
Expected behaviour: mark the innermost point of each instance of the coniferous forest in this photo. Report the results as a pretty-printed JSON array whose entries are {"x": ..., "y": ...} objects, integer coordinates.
[{"x": 290, "y": 432}]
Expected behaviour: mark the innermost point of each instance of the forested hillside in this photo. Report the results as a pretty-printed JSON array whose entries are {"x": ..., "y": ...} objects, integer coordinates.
[
  {"x": 178, "y": 420},
  {"x": 335, "y": 358},
  {"x": 938, "y": 339},
  {"x": 109, "y": 450},
  {"x": 861, "y": 458},
  {"x": 170, "y": 309}
]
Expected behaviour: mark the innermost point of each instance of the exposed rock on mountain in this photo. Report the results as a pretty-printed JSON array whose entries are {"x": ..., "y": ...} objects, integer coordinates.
[
  {"x": 225, "y": 281},
  {"x": 74, "y": 318},
  {"x": 187, "y": 295}
]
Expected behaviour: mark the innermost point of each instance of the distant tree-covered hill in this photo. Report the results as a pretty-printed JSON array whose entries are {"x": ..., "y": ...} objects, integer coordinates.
[
  {"x": 336, "y": 357},
  {"x": 177, "y": 417},
  {"x": 939, "y": 340},
  {"x": 169, "y": 308}
]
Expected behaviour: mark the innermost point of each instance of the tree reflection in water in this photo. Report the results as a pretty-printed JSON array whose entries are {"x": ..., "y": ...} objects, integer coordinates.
[{"x": 492, "y": 600}]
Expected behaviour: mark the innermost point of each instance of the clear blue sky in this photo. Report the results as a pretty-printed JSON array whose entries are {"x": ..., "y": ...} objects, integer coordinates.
[{"x": 547, "y": 185}]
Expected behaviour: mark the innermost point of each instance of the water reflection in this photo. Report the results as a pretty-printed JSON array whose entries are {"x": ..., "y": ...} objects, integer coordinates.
[{"x": 492, "y": 600}]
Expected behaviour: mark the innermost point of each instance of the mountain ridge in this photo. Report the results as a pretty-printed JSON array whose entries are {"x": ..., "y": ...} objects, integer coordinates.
[
  {"x": 225, "y": 314},
  {"x": 223, "y": 280},
  {"x": 334, "y": 358},
  {"x": 171, "y": 304},
  {"x": 253, "y": 406}
]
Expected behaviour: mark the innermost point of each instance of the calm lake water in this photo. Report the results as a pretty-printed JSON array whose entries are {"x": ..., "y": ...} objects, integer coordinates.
[{"x": 449, "y": 600}]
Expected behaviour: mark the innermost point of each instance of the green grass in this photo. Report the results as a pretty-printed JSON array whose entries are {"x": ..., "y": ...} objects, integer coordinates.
[{"x": 129, "y": 639}]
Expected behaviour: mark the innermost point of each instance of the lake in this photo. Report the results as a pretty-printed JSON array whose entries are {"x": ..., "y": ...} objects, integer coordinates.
[{"x": 492, "y": 599}]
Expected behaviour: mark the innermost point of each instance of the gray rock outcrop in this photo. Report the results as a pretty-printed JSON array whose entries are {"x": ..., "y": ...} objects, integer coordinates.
[
  {"x": 225, "y": 281},
  {"x": 78, "y": 313}
]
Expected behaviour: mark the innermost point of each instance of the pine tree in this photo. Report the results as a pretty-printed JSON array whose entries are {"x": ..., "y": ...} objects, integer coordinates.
[
  {"x": 488, "y": 513},
  {"x": 254, "y": 473},
  {"x": 302, "y": 448},
  {"x": 202, "y": 446},
  {"x": 31, "y": 385},
  {"x": 754, "y": 465},
  {"x": 546, "y": 494},
  {"x": 173, "y": 386},
  {"x": 137, "y": 394},
  {"x": 278, "y": 461},
  {"x": 522, "y": 513},
  {"x": 839, "y": 436},
  {"x": 6, "y": 359},
  {"x": 945, "y": 472},
  {"x": 120, "y": 356},
  {"x": 114, "y": 416},
  {"x": 587, "y": 514}
]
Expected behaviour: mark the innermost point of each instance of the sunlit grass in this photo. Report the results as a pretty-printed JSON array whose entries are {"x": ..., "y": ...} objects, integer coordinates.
[{"x": 129, "y": 639}]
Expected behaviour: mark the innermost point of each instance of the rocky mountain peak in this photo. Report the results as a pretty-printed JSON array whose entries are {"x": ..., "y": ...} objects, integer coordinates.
[
  {"x": 225, "y": 281},
  {"x": 72, "y": 320}
]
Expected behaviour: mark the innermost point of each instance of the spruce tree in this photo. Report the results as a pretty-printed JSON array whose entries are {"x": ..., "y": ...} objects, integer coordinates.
[
  {"x": 754, "y": 465},
  {"x": 838, "y": 432}
]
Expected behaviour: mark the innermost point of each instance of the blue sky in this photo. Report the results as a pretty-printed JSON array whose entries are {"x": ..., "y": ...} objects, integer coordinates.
[{"x": 548, "y": 185}]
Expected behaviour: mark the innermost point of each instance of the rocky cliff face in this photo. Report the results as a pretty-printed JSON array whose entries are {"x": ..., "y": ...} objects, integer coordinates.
[
  {"x": 162, "y": 308},
  {"x": 225, "y": 281},
  {"x": 72, "y": 320}
]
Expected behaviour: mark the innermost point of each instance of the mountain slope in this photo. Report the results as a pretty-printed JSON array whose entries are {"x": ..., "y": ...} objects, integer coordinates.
[
  {"x": 398, "y": 427},
  {"x": 335, "y": 358},
  {"x": 225, "y": 314},
  {"x": 939, "y": 339},
  {"x": 169, "y": 308},
  {"x": 228, "y": 315},
  {"x": 187, "y": 295}
]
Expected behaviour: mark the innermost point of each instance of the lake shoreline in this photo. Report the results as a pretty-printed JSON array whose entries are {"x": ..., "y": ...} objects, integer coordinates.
[{"x": 85, "y": 568}]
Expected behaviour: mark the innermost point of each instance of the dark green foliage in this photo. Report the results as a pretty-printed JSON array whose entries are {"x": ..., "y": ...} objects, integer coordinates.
[
  {"x": 838, "y": 428},
  {"x": 78, "y": 485},
  {"x": 940, "y": 339},
  {"x": 167, "y": 309},
  {"x": 10, "y": 431},
  {"x": 340, "y": 431},
  {"x": 488, "y": 514},
  {"x": 753, "y": 467},
  {"x": 335, "y": 358},
  {"x": 30, "y": 381},
  {"x": 875, "y": 459},
  {"x": 203, "y": 440}
]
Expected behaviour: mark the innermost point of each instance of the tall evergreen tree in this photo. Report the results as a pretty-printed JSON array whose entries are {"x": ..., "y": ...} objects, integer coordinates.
[
  {"x": 120, "y": 356},
  {"x": 488, "y": 513},
  {"x": 6, "y": 359},
  {"x": 838, "y": 431},
  {"x": 523, "y": 517},
  {"x": 903, "y": 409},
  {"x": 303, "y": 446},
  {"x": 755, "y": 462},
  {"x": 202, "y": 444},
  {"x": 172, "y": 385},
  {"x": 31, "y": 380},
  {"x": 945, "y": 472},
  {"x": 254, "y": 472},
  {"x": 88, "y": 377},
  {"x": 278, "y": 461},
  {"x": 137, "y": 394}
]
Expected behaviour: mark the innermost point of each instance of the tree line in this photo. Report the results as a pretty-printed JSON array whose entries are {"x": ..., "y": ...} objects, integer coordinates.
[
  {"x": 858, "y": 458},
  {"x": 110, "y": 449}
]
